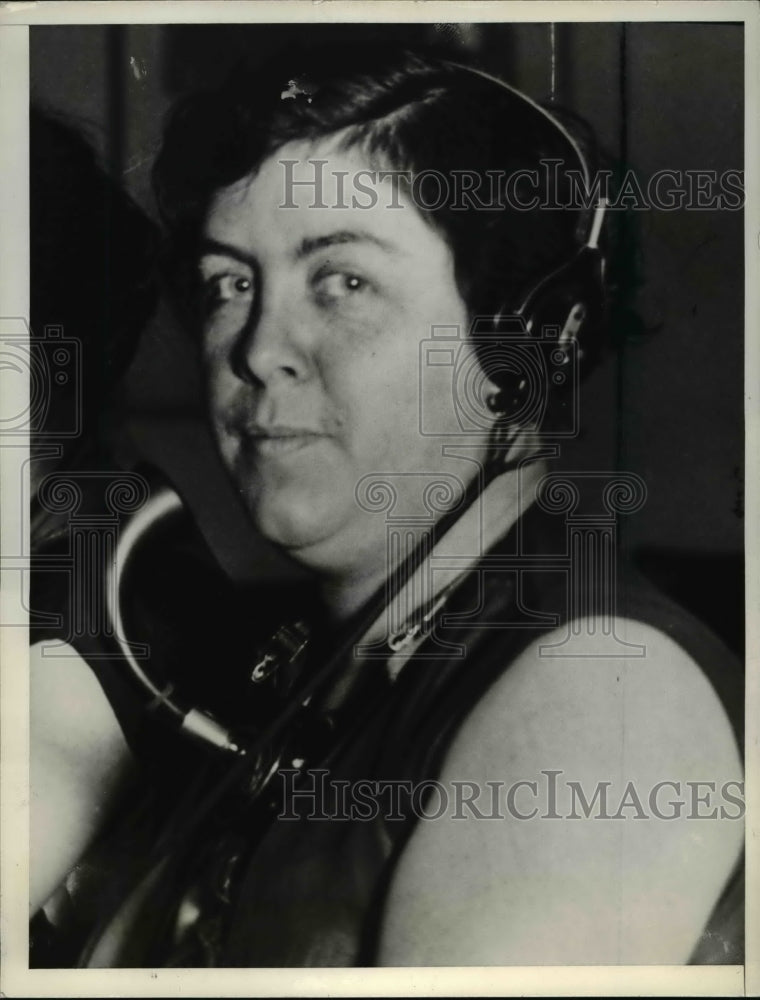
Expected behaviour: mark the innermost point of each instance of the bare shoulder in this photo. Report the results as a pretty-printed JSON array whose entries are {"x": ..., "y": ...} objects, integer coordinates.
[
  {"x": 649, "y": 699},
  {"x": 594, "y": 806},
  {"x": 68, "y": 706},
  {"x": 79, "y": 763}
]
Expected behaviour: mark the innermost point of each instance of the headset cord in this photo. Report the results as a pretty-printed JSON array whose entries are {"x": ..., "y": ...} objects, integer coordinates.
[{"x": 196, "y": 807}]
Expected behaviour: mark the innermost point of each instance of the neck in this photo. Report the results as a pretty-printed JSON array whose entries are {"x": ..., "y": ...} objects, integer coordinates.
[
  {"x": 344, "y": 594},
  {"x": 488, "y": 518}
]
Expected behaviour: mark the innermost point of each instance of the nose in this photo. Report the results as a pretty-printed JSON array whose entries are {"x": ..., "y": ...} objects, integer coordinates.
[{"x": 271, "y": 348}]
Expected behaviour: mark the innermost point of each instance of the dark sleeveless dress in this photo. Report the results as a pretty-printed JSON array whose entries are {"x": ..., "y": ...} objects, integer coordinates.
[
  {"x": 327, "y": 909},
  {"x": 309, "y": 889}
]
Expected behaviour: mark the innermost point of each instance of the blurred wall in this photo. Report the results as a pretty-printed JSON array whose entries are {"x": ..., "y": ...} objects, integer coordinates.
[{"x": 659, "y": 96}]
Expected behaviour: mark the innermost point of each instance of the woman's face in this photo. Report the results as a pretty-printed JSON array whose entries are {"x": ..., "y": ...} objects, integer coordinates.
[{"x": 312, "y": 344}]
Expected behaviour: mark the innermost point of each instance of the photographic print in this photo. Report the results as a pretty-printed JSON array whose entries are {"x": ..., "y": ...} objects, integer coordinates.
[{"x": 376, "y": 512}]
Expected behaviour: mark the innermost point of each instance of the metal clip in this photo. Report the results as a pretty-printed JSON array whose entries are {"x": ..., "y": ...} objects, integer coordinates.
[
  {"x": 420, "y": 628},
  {"x": 285, "y": 646}
]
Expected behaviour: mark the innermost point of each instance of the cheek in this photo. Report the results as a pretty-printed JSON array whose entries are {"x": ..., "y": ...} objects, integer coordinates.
[
  {"x": 378, "y": 349},
  {"x": 217, "y": 370},
  {"x": 220, "y": 399}
]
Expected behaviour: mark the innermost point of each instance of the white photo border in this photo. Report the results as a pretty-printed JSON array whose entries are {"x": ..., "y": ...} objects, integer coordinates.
[{"x": 17, "y": 979}]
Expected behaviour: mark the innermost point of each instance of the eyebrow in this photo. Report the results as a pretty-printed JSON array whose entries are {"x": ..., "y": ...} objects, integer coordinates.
[
  {"x": 311, "y": 244},
  {"x": 208, "y": 247},
  {"x": 307, "y": 246}
]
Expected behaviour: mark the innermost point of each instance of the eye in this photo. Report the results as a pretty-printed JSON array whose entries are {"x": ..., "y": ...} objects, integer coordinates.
[
  {"x": 338, "y": 285},
  {"x": 219, "y": 289}
]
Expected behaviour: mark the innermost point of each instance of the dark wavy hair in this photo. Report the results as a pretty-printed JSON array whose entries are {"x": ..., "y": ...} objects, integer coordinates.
[{"x": 407, "y": 111}]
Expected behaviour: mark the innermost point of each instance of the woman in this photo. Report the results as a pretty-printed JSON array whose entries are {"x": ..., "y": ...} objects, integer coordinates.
[{"x": 391, "y": 353}]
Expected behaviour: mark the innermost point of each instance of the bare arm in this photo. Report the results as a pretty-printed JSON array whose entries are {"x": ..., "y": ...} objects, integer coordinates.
[
  {"x": 79, "y": 763},
  {"x": 545, "y": 890}
]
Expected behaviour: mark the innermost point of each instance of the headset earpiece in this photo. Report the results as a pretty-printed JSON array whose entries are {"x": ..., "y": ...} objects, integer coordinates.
[
  {"x": 558, "y": 310},
  {"x": 538, "y": 348},
  {"x": 572, "y": 296}
]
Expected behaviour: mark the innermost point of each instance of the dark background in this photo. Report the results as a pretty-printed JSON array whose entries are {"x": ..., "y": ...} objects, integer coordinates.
[{"x": 668, "y": 407}]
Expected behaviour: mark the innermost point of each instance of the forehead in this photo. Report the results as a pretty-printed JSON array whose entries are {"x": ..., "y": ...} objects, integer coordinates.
[{"x": 306, "y": 190}]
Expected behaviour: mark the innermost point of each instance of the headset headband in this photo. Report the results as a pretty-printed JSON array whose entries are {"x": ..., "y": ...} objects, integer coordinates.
[
  {"x": 594, "y": 228},
  {"x": 536, "y": 107}
]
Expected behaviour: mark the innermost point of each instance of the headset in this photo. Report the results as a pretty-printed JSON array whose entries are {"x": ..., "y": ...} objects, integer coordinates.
[
  {"x": 564, "y": 299},
  {"x": 568, "y": 298}
]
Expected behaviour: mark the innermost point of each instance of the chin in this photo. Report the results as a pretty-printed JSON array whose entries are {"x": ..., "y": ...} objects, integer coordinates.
[
  {"x": 319, "y": 536},
  {"x": 293, "y": 525},
  {"x": 312, "y": 518}
]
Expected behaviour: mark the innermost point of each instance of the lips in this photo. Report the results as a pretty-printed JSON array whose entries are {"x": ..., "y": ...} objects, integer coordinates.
[{"x": 279, "y": 440}]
